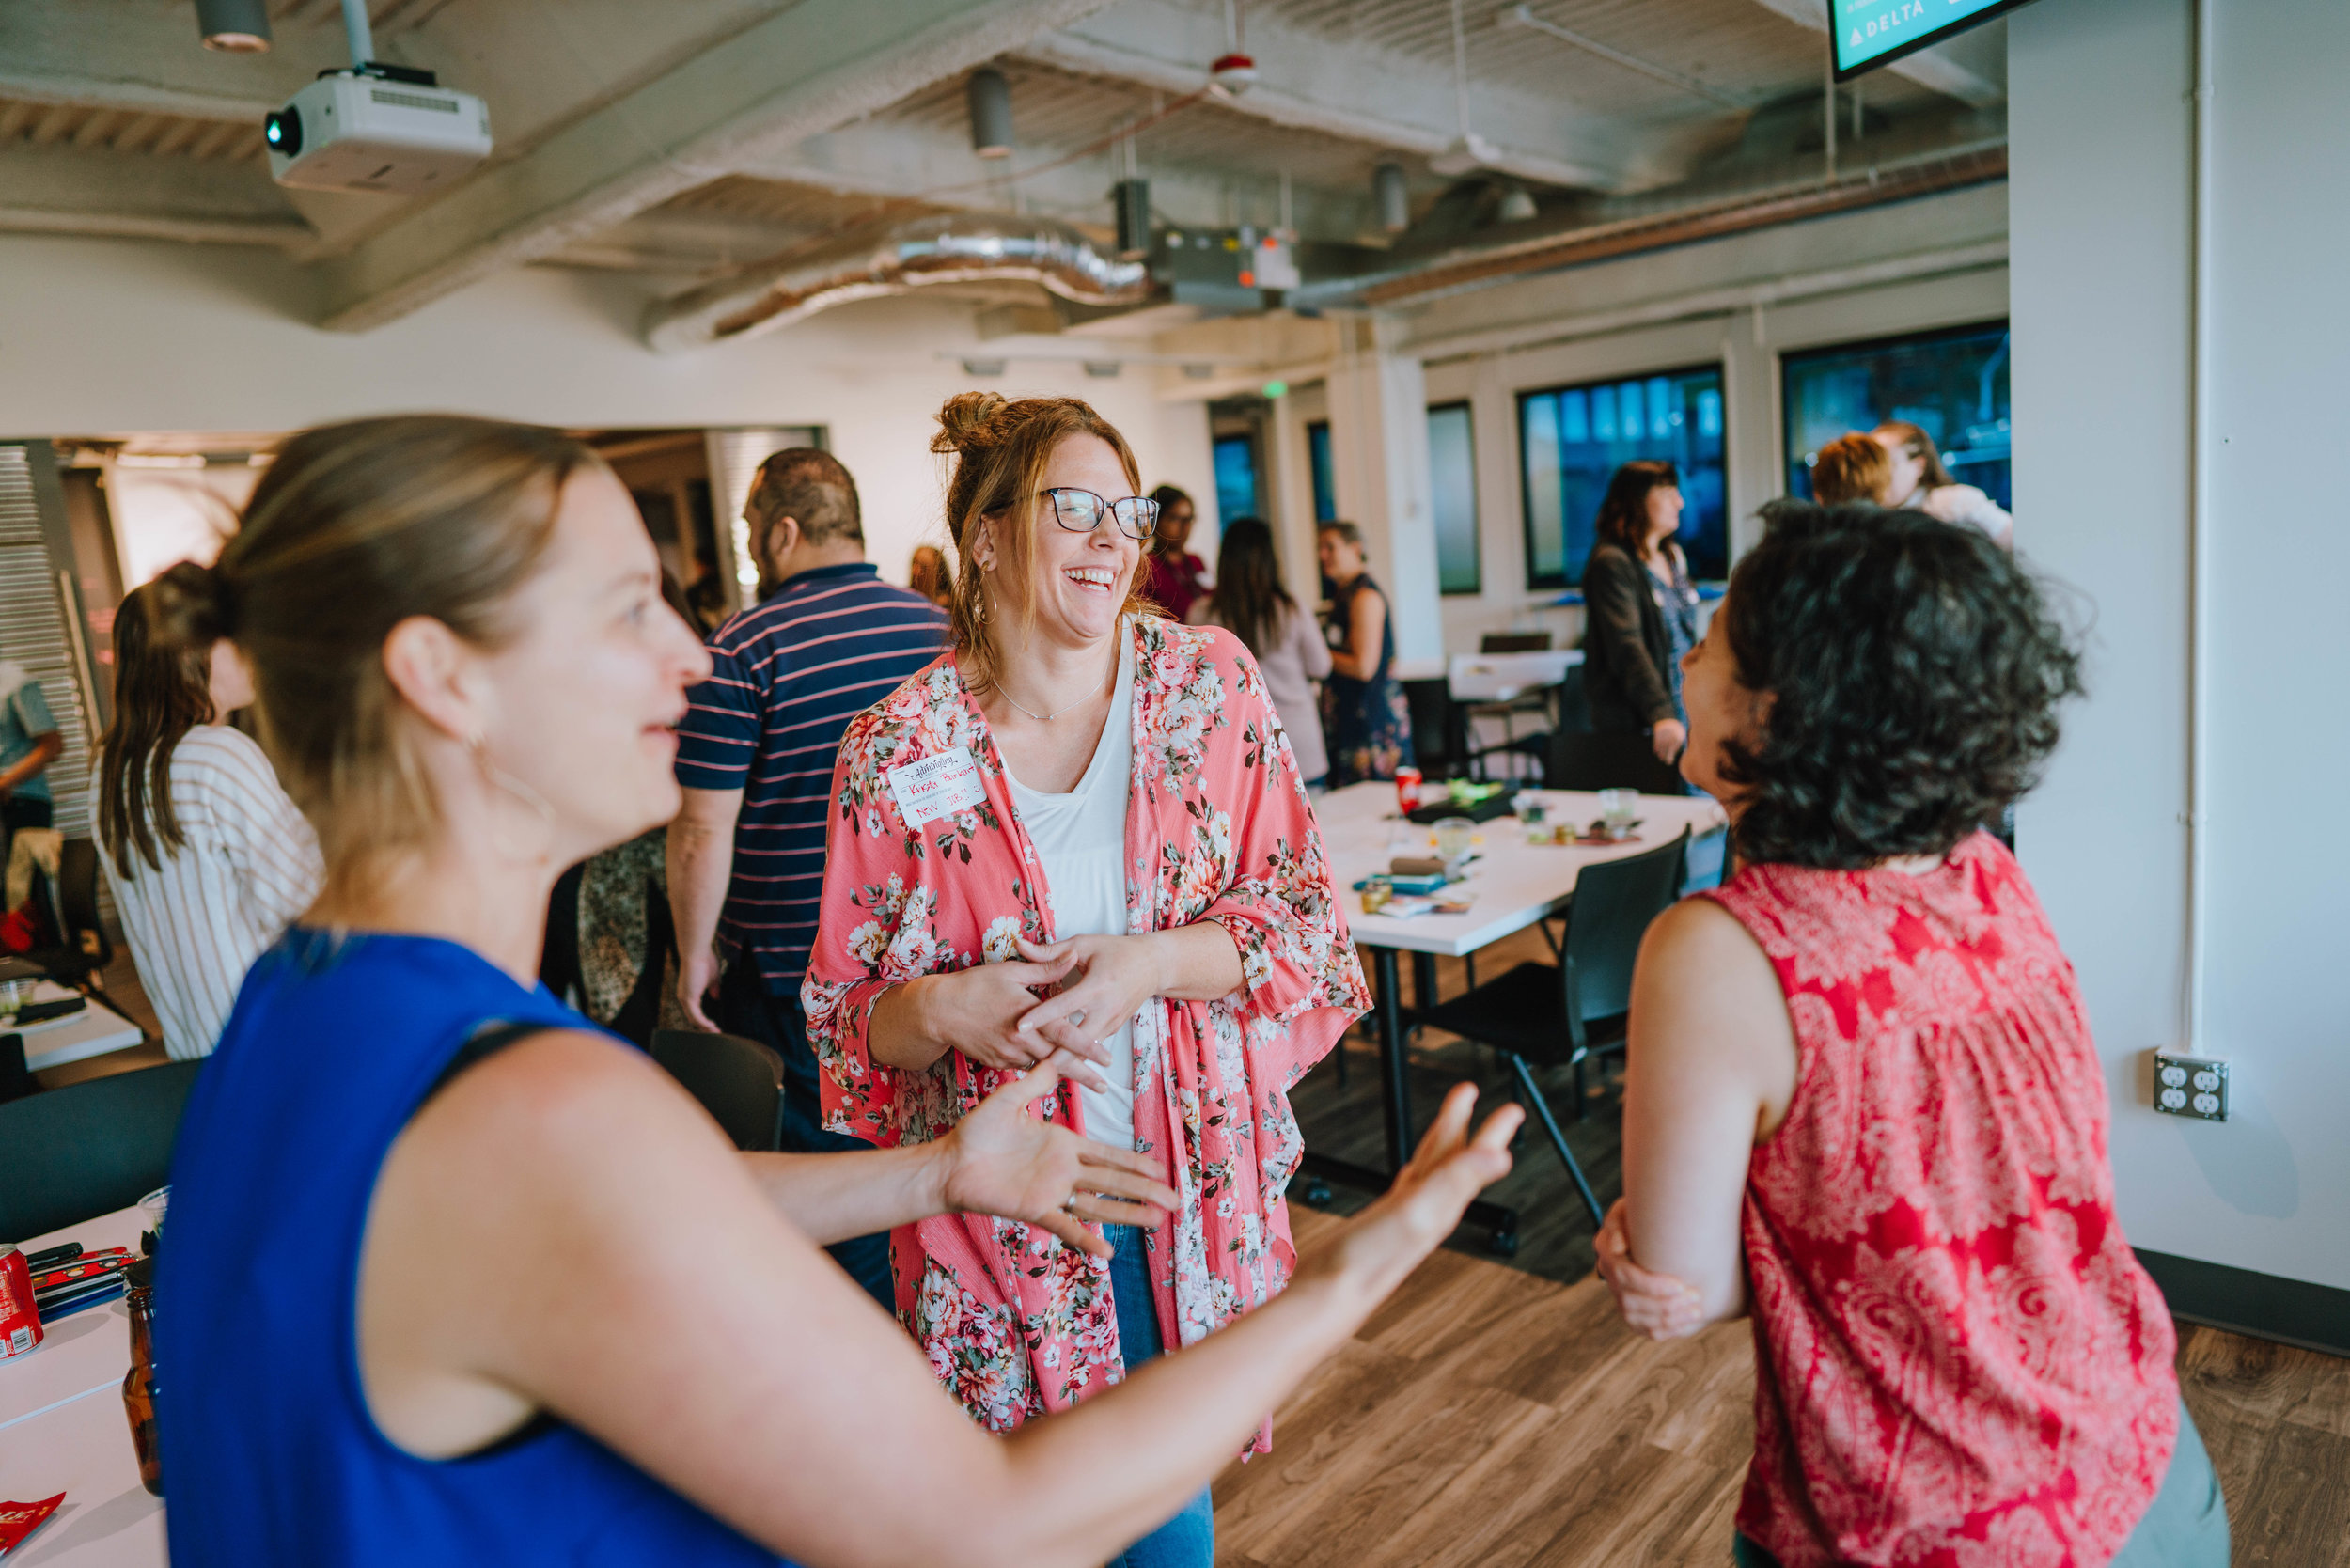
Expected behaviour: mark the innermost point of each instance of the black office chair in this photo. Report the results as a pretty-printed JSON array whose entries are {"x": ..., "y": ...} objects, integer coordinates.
[
  {"x": 1438, "y": 732},
  {"x": 72, "y": 1154},
  {"x": 1564, "y": 1015},
  {"x": 737, "y": 1081},
  {"x": 1585, "y": 760},
  {"x": 78, "y": 949}
]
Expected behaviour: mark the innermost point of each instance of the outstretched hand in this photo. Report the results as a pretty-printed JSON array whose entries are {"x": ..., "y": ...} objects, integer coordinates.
[
  {"x": 1657, "y": 1305},
  {"x": 1387, "y": 1241},
  {"x": 1005, "y": 1161}
]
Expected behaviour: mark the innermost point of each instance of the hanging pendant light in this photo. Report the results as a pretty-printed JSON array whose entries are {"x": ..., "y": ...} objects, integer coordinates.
[
  {"x": 234, "y": 27},
  {"x": 990, "y": 99}
]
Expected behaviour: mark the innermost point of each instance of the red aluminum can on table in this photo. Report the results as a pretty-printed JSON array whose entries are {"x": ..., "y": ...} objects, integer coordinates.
[
  {"x": 20, "y": 1320},
  {"x": 1408, "y": 790}
]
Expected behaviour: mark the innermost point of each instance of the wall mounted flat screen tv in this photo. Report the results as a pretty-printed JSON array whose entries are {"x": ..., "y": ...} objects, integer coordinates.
[{"x": 1869, "y": 33}]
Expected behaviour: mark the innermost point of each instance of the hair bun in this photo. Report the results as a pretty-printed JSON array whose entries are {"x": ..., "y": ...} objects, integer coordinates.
[
  {"x": 194, "y": 606},
  {"x": 965, "y": 421}
]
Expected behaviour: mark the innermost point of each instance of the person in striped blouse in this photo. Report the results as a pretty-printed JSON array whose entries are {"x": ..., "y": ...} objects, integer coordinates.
[{"x": 207, "y": 860}]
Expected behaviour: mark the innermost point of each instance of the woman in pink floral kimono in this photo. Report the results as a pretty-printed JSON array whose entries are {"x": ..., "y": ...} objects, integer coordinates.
[{"x": 1087, "y": 801}]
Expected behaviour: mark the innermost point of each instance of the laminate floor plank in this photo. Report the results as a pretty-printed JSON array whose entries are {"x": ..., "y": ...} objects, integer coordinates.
[{"x": 2293, "y": 1511}]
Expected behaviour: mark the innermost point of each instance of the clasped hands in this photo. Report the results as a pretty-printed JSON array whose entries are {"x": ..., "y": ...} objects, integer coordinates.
[{"x": 992, "y": 1014}]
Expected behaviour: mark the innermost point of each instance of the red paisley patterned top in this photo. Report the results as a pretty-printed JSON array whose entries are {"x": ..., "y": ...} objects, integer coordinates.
[{"x": 1960, "y": 1363}]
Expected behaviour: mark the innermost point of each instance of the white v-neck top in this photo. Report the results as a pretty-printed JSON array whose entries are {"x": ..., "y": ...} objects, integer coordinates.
[{"x": 1080, "y": 838}]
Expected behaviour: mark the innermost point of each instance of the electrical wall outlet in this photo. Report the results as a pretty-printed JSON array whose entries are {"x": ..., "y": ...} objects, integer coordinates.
[{"x": 2194, "y": 1086}]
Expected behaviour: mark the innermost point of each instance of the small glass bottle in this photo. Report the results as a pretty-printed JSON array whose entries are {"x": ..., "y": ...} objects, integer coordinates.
[{"x": 139, "y": 1384}]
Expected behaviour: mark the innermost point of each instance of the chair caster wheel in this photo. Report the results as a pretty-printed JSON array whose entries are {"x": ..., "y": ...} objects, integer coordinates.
[
  {"x": 1504, "y": 1244},
  {"x": 1315, "y": 1193}
]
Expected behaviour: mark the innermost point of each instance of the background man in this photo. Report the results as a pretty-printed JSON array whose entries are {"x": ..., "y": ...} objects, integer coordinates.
[{"x": 827, "y": 639}]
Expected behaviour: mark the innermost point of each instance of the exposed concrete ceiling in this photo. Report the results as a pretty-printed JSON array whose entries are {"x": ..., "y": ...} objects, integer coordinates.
[{"x": 687, "y": 138}]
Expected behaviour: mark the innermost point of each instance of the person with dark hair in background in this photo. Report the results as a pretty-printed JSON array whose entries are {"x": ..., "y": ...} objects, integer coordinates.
[
  {"x": 755, "y": 752},
  {"x": 1173, "y": 577},
  {"x": 926, "y": 575},
  {"x": 1364, "y": 718},
  {"x": 457, "y": 1277},
  {"x": 1250, "y": 601},
  {"x": 208, "y": 858},
  {"x": 1862, "y": 1103},
  {"x": 1851, "y": 468},
  {"x": 1640, "y": 609},
  {"x": 1920, "y": 483}
]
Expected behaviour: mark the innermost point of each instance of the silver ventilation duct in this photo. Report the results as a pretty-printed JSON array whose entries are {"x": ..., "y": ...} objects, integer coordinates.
[{"x": 963, "y": 247}]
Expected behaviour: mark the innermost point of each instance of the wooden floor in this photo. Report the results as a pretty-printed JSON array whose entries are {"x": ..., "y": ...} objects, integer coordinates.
[{"x": 1501, "y": 1414}]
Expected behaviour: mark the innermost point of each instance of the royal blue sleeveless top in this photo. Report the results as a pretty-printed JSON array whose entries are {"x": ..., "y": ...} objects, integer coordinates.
[{"x": 269, "y": 1455}]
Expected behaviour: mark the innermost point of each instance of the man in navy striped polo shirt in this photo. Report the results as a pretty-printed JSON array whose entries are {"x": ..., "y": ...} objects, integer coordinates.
[{"x": 827, "y": 639}]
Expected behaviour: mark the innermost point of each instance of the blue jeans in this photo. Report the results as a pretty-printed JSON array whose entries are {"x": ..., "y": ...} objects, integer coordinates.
[
  {"x": 746, "y": 1006},
  {"x": 1188, "y": 1540},
  {"x": 2185, "y": 1526}
]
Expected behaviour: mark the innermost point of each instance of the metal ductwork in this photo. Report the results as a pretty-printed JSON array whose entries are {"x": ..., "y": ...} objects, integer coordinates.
[{"x": 966, "y": 247}]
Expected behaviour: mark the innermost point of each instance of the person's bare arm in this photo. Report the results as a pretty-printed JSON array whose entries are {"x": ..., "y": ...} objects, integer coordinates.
[
  {"x": 1366, "y": 632},
  {"x": 646, "y": 1292},
  {"x": 45, "y": 751},
  {"x": 998, "y": 1160},
  {"x": 700, "y": 859},
  {"x": 1709, "y": 1070}
]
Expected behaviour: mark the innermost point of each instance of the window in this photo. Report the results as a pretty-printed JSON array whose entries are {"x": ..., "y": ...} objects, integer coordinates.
[
  {"x": 1572, "y": 439},
  {"x": 1950, "y": 385},
  {"x": 1318, "y": 458},
  {"x": 1452, "y": 486},
  {"x": 1236, "y": 477}
]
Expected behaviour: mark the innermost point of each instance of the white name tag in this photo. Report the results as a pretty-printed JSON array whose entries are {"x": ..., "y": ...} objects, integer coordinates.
[{"x": 937, "y": 786}]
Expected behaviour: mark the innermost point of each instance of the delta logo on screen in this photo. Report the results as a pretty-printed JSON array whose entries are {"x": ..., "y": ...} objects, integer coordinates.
[{"x": 1869, "y": 32}]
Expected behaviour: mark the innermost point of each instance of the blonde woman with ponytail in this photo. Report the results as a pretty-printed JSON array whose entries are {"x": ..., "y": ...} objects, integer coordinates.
[
  {"x": 1083, "y": 799},
  {"x": 457, "y": 1277}
]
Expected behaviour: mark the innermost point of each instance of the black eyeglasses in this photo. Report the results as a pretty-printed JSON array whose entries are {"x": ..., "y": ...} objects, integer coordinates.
[{"x": 1080, "y": 511}]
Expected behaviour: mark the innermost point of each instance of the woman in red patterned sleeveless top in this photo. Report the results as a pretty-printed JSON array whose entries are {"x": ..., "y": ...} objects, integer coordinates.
[{"x": 1861, "y": 1099}]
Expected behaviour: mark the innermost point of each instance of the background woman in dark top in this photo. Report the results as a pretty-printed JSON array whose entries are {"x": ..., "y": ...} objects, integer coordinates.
[
  {"x": 525, "y": 1248},
  {"x": 1640, "y": 610},
  {"x": 1363, "y": 713}
]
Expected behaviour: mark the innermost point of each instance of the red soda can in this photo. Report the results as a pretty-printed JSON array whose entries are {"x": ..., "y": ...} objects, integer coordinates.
[
  {"x": 20, "y": 1320},
  {"x": 1407, "y": 789}
]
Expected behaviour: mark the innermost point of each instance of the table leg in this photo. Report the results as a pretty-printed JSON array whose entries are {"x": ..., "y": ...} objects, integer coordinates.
[{"x": 1396, "y": 1082}]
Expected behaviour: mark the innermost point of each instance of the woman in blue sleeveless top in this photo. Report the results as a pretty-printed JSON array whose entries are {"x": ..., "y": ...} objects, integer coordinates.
[{"x": 454, "y": 1276}]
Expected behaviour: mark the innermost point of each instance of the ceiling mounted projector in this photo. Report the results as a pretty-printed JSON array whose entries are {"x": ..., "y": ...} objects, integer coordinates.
[{"x": 375, "y": 127}]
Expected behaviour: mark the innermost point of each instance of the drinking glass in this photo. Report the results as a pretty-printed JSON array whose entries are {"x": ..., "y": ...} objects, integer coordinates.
[
  {"x": 1618, "y": 807},
  {"x": 1534, "y": 816},
  {"x": 1452, "y": 840}
]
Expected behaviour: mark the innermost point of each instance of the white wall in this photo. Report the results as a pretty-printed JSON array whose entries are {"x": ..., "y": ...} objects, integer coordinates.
[
  {"x": 108, "y": 337},
  {"x": 2100, "y": 123}
]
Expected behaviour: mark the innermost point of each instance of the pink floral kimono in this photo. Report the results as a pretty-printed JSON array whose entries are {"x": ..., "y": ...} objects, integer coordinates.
[{"x": 1217, "y": 828}]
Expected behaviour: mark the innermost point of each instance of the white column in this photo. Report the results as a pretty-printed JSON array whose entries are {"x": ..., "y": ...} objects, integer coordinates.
[{"x": 1379, "y": 458}]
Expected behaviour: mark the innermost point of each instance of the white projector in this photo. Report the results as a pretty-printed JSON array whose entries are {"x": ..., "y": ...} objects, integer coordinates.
[{"x": 376, "y": 129}]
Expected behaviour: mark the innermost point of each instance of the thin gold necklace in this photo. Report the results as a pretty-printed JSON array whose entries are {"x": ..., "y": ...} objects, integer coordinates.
[{"x": 1047, "y": 718}]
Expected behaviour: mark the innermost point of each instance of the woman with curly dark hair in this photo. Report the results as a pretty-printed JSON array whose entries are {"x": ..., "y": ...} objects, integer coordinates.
[{"x": 1861, "y": 1099}]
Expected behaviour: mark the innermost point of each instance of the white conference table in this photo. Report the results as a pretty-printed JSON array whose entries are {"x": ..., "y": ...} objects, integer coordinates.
[
  {"x": 92, "y": 1032},
  {"x": 62, "y": 1429},
  {"x": 1513, "y": 884}
]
